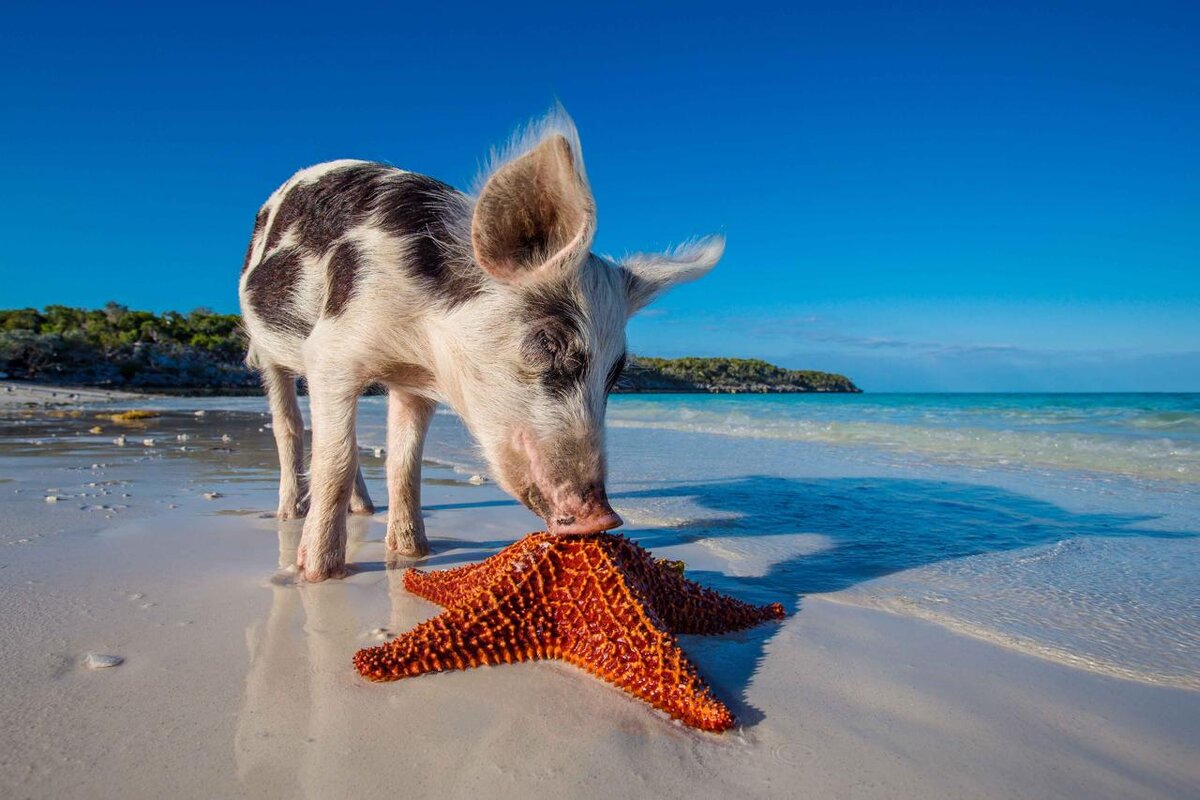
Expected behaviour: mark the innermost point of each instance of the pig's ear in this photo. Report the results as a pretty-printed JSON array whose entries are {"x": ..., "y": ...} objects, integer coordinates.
[
  {"x": 535, "y": 215},
  {"x": 647, "y": 276}
]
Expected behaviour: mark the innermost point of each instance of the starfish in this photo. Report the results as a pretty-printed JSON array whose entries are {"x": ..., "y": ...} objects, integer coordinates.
[{"x": 594, "y": 600}]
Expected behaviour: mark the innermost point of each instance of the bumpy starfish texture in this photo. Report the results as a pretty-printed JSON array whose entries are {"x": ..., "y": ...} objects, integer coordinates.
[{"x": 597, "y": 601}]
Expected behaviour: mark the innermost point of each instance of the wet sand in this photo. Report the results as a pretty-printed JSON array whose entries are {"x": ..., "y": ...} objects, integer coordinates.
[{"x": 235, "y": 681}]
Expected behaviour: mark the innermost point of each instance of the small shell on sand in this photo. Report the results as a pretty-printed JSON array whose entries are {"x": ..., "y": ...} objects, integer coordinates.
[
  {"x": 101, "y": 661},
  {"x": 476, "y": 480},
  {"x": 212, "y": 495}
]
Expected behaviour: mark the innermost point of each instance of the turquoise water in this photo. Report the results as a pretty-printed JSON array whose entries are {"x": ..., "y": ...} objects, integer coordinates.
[{"x": 1154, "y": 436}]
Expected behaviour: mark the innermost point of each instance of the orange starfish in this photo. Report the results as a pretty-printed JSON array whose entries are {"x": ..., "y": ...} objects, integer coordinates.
[{"x": 595, "y": 600}]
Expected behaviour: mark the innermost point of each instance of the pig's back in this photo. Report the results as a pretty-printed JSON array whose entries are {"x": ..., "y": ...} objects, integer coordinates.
[{"x": 337, "y": 228}]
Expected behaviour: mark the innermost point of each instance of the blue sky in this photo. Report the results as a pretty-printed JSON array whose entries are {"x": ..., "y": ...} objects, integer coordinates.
[{"x": 997, "y": 196}]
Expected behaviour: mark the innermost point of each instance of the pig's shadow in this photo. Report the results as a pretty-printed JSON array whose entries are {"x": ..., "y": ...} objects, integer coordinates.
[{"x": 870, "y": 527}]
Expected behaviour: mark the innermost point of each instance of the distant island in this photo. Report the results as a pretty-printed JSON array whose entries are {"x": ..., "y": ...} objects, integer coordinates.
[
  {"x": 725, "y": 375},
  {"x": 201, "y": 352}
]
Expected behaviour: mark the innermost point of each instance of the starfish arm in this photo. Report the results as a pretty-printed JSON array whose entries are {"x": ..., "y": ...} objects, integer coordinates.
[
  {"x": 689, "y": 607},
  {"x": 444, "y": 586},
  {"x": 450, "y": 587},
  {"x": 686, "y": 606},
  {"x": 501, "y": 621},
  {"x": 606, "y": 631},
  {"x": 459, "y": 638}
]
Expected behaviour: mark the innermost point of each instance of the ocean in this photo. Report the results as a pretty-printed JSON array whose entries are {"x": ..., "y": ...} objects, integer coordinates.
[{"x": 1066, "y": 526}]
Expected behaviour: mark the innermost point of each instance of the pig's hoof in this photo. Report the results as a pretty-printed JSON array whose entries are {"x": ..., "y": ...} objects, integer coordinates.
[
  {"x": 319, "y": 575},
  {"x": 314, "y": 569},
  {"x": 290, "y": 512},
  {"x": 365, "y": 507},
  {"x": 407, "y": 542}
]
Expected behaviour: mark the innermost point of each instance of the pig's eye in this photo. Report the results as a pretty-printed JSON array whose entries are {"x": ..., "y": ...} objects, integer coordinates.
[
  {"x": 557, "y": 357},
  {"x": 541, "y": 348}
]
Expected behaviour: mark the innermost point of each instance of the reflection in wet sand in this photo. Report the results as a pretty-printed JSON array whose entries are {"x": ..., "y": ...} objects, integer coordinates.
[
  {"x": 272, "y": 725},
  {"x": 294, "y": 726}
]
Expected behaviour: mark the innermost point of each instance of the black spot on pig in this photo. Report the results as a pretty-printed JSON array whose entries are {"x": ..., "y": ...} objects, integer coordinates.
[
  {"x": 554, "y": 350},
  {"x": 272, "y": 291},
  {"x": 291, "y": 208},
  {"x": 340, "y": 200},
  {"x": 322, "y": 211},
  {"x": 341, "y": 278},
  {"x": 420, "y": 208},
  {"x": 260, "y": 220}
]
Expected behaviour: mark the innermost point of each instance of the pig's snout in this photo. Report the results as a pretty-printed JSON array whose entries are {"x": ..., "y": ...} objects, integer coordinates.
[
  {"x": 555, "y": 490},
  {"x": 589, "y": 513}
]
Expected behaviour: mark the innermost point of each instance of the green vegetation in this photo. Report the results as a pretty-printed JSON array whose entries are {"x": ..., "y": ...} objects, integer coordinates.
[
  {"x": 726, "y": 375},
  {"x": 115, "y": 346},
  {"x": 115, "y": 327},
  {"x": 202, "y": 351}
]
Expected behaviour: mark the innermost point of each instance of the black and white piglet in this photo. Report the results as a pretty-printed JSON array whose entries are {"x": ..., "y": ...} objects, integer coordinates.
[{"x": 492, "y": 302}]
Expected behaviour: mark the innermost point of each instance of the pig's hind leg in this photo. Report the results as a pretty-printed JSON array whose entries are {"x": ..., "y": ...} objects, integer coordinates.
[
  {"x": 360, "y": 498},
  {"x": 288, "y": 427},
  {"x": 407, "y": 422},
  {"x": 334, "y": 400}
]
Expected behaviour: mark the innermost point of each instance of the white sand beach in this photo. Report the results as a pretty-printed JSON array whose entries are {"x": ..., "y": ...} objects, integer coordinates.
[{"x": 235, "y": 681}]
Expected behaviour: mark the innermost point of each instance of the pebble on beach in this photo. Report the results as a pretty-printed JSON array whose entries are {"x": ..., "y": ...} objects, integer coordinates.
[{"x": 101, "y": 661}]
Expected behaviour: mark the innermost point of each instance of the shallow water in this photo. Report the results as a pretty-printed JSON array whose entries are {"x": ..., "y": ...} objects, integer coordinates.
[
  {"x": 1141, "y": 435},
  {"x": 1065, "y": 526}
]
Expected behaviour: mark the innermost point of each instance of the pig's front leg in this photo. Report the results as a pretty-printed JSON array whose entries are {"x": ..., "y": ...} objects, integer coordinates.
[
  {"x": 322, "y": 552},
  {"x": 408, "y": 420}
]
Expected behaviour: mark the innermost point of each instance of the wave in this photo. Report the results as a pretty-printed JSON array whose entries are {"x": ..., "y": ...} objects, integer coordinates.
[
  {"x": 1153, "y": 458},
  {"x": 1124, "y": 607}
]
